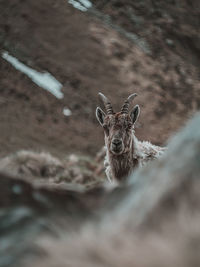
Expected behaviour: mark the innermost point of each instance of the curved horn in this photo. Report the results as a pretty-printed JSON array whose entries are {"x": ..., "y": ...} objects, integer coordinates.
[
  {"x": 128, "y": 101},
  {"x": 107, "y": 104}
]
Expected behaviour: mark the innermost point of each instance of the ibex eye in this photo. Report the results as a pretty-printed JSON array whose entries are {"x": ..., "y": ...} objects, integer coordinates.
[{"x": 105, "y": 126}]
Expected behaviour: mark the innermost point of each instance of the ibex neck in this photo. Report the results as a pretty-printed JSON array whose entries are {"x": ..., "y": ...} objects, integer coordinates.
[{"x": 122, "y": 165}]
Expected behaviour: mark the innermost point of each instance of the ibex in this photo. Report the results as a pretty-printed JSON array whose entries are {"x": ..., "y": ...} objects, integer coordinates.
[{"x": 123, "y": 150}]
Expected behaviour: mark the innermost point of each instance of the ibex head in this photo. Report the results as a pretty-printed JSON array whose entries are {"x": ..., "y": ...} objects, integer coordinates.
[{"x": 118, "y": 126}]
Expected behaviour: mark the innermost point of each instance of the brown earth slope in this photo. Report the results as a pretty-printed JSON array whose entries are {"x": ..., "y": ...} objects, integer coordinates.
[{"x": 87, "y": 54}]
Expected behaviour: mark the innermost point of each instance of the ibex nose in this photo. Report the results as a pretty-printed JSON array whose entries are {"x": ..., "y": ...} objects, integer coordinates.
[{"x": 117, "y": 142}]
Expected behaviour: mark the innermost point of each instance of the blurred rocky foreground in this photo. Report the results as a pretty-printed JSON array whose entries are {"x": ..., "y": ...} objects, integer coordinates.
[
  {"x": 153, "y": 220},
  {"x": 56, "y": 208},
  {"x": 43, "y": 169}
]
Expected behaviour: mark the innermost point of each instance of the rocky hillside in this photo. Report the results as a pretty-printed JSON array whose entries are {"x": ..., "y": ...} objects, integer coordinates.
[{"x": 117, "y": 47}]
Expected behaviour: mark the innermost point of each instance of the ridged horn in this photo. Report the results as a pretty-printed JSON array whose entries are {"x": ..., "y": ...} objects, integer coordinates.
[
  {"x": 128, "y": 101},
  {"x": 107, "y": 104}
]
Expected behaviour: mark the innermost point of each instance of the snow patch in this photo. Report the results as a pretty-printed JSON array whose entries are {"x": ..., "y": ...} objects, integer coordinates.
[
  {"x": 82, "y": 5},
  {"x": 67, "y": 112},
  {"x": 44, "y": 80}
]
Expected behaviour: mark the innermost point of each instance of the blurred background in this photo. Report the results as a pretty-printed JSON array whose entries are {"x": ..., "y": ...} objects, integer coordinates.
[{"x": 56, "y": 55}]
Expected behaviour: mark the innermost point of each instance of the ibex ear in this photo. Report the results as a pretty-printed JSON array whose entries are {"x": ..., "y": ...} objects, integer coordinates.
[
  {"x": 135, "y": 113},
  {"x": 100, "y": 115}
]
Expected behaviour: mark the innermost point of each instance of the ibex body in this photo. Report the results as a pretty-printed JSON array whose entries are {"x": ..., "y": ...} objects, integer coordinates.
[{"x": 124, "y": 151}]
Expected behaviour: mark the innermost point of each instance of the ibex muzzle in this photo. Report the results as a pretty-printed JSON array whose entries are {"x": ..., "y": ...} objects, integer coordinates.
[{"x": 117, "y": 145}]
